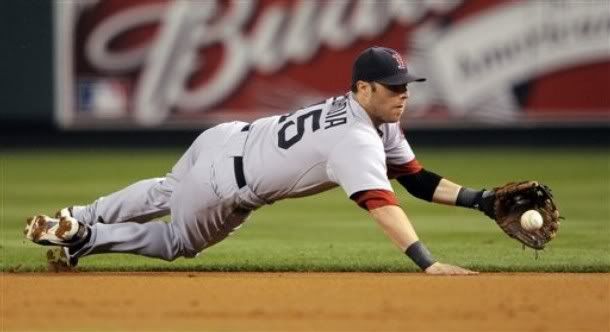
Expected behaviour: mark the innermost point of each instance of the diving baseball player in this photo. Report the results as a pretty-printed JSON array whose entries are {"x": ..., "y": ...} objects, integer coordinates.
[{"x": 353, "y": 141}]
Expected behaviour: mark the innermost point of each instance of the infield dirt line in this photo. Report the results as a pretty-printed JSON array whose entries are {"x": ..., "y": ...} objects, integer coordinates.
[{"x": 210, "y": 301}]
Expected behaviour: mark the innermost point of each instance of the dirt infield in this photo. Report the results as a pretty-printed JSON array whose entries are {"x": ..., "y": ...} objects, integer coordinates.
[{"x": 304, "y": 302}]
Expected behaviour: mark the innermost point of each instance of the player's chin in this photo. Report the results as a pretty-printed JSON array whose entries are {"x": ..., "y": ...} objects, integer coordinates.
[{"x": 397, "y": 115}]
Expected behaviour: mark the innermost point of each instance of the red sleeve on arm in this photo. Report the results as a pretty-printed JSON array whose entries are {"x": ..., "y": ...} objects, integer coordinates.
[
  {"x": 411, "y": 167},
  {"x": 373, "y": 199}
]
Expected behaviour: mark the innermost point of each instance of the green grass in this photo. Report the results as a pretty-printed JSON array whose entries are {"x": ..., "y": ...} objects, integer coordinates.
[{"x": 327, "y": 232}]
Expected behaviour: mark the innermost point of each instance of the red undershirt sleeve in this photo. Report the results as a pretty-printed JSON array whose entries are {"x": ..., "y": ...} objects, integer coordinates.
[
  {"x": 373, "y": 199},
  {"x": 409, "y": 168}
]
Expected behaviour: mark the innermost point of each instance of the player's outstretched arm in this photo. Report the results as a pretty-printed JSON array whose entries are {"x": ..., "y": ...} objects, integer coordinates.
[
  {"x": 450, "y": 193},
  {"x": 446, "y": 192},
  {"x": 398, "y": 228},
  {"x": 432, "y": 187}
]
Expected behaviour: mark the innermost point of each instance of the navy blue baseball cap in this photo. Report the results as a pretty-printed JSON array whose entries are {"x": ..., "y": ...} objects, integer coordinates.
[{"x": 383, "y": 65}]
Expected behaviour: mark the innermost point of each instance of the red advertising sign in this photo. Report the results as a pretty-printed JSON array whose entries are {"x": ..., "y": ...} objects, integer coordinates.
[{"x": 183, "y": 63}]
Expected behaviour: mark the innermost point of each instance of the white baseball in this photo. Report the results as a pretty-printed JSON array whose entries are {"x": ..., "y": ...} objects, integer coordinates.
[{"x": 531, "y": 220}]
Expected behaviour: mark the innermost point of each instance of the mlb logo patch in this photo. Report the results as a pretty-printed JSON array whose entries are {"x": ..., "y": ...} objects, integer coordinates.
[{"x": 103, "y": 98}]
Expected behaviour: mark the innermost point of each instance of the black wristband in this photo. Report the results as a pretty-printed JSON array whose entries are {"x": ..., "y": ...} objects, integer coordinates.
[
  {"x": 482, "y": 200},
  {"x": 469, "y": 198},
  {"x": 420, "y": 255}
]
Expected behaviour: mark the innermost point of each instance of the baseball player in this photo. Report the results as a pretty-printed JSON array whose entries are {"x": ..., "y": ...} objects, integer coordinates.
[{"x": 353, "y": 141}]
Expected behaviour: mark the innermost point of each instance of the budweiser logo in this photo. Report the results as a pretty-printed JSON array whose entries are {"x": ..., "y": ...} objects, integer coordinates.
[{"x": 289, "y": 33}]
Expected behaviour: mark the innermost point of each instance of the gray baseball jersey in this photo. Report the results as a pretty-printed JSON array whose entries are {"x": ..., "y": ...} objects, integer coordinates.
[
  {"x": 319, "y": 147},
  {"x": 293, "y": 155}
]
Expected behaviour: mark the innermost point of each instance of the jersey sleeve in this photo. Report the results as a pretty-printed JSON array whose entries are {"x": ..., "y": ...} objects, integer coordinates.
[
  {"x": 409, "y": 168},
  {"x": 357, "y": 163},
  {"x": 373, "y": 199},
  {"x": 397, "y": 149}
]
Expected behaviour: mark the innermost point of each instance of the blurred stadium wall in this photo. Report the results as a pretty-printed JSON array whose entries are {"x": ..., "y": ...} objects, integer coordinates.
[{"x": 116, "y": 72}]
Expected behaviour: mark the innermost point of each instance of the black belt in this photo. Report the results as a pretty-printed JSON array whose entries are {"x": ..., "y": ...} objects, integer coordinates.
[{"x": 238, "y": 166}]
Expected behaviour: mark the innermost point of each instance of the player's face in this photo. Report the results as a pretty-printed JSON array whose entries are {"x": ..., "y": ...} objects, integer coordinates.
[{"x": 387, "y": 102}]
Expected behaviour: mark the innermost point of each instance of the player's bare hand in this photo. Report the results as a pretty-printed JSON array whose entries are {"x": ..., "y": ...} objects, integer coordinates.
[{"x": 439, "y": 268}]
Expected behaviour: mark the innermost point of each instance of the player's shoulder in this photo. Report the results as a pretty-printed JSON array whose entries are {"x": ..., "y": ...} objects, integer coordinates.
[{"x": 359, "y": 137}]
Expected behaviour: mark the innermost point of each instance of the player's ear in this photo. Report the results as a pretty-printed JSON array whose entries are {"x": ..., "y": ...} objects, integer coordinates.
[{"x": 364, "y": 88}]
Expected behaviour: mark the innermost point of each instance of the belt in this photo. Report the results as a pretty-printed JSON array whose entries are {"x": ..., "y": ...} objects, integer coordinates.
[{"x": 238, "y": 165}]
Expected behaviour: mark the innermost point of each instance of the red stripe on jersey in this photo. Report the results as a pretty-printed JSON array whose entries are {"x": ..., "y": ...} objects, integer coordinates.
[
  {"x": 373, "y": 199},
  {"x": 409, "y": 168}
]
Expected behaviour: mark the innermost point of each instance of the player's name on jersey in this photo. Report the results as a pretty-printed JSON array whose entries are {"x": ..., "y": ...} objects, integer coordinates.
[{"x": 337, "y": 114}]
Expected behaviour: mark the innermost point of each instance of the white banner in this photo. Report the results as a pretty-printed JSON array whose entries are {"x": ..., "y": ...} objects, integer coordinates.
[{"x": 474, "y": 65}]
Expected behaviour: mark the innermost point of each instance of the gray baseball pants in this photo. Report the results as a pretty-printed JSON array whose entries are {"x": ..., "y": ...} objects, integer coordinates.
[{"x": 200, "y": 193}]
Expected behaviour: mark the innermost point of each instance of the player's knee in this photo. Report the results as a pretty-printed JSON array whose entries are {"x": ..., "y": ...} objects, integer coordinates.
[
  {"x": 190, "y": 253},
  {"x": 177, "y": 244},
  {"x": 188, "y": 249}
]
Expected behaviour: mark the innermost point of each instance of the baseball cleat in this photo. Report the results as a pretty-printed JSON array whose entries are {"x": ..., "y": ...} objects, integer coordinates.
[
  {"x": 68, "y": 211},
  {"x": 65, "y": 212},
  {"x": 65, "y": 231}
]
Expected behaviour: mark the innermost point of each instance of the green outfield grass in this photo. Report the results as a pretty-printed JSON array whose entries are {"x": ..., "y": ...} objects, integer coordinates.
[{"x": 328, "y": 232}]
